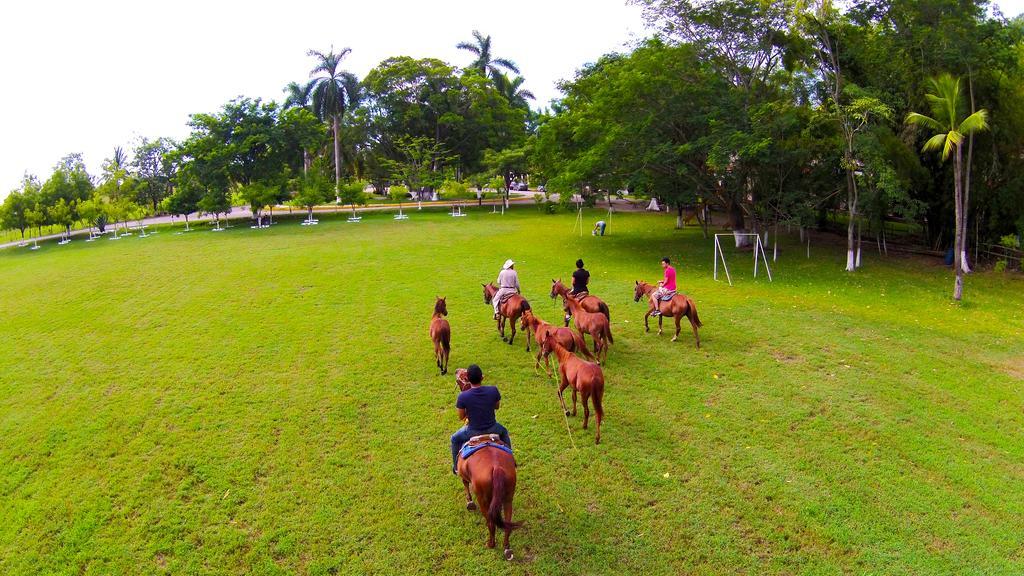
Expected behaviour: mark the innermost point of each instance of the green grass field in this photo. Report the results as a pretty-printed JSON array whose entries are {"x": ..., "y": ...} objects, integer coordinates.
[{"x": 265, "y": 402}]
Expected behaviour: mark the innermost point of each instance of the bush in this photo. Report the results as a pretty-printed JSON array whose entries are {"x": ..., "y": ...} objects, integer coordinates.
[
  {"x": 398, "y": 192},
  {"x": 455, "y": 190},
  {"x": 544, "y": 203}
]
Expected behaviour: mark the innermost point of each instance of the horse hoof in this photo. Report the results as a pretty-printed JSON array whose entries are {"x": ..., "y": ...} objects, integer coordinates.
[
  {"x": 673, "y": 339},
  {"x": 490, "y": 544},
  {"x": 470, "y": 505},
  {"x": 567, "y": 413},
  {"x": 503, "y": 339},
  {"x": 508, "y": 554}
]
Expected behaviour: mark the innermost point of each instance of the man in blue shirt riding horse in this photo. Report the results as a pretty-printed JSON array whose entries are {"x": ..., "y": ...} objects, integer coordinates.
[{"x": 477, "y": 404}]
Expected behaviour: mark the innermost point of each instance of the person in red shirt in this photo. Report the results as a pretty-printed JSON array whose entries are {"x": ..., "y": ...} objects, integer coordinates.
[{"x": 666, "y": 287}]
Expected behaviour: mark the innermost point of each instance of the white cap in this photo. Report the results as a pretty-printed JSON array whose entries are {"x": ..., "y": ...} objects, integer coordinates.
[{"x": 508, "y": 264}]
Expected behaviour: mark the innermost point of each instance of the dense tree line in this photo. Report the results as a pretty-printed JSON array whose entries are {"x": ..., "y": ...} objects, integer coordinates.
[{"x": 783, "y": 112}]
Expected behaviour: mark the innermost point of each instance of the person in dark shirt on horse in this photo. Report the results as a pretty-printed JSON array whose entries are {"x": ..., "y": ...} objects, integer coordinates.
[
  {"x": 580, "y": 278},
  {"x": 478, "y": 404}
]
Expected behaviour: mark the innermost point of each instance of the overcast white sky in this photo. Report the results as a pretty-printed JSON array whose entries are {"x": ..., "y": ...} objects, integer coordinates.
[{"x": 86, "y": 76}]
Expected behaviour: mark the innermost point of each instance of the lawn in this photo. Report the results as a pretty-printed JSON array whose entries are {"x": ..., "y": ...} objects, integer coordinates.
[{"x": 265, "y": 402}]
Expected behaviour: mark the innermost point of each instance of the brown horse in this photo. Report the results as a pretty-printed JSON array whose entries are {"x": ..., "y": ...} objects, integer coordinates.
[
  {"x": 680, "y": 305},
  {"x": 584, "y": 377},
  {"x": 441, "y": 334},
  {"x": 510, "y": 309},
  {"x": 566, "y": 337},
  {"x": 590, "y": 302},
  {"x": 593, "y": 323},
  {"x": 492, "y": 474}
]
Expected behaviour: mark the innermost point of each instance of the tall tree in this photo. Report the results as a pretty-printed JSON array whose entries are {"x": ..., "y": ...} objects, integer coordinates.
[
  {"x": 513, "y": 91},
  {"x": 296, "y": 95},
  {"x": 154, "y": 168},
  {"x": 485, "y": 63},
  {"x": 950, "y": 127},
  {"x": 332, "y": 92}
]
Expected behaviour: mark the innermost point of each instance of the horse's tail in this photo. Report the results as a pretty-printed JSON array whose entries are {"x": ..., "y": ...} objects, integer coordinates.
[
  {"x": 693, "y": 313},
  {"x": 525, "y": 306},
  {"x": 446, "y": 339},
  {"x": 603, "y": 309},
  {"x": 598, "y": 398},
  {"x": 581, "y": 345},
  {"x": 498, "y": 489},
  {"x": 608, "y": 333}
]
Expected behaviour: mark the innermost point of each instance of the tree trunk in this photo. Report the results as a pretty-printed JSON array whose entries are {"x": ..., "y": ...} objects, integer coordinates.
[
  {"x": 967, "y": 186},
  {"x": 337, "y": 160},
  {"x": 679, "y": 216},
  {"x": 851, "y": 206},
  {"x": 858, "y": 242},
  {"x": 958, "y": 284}
]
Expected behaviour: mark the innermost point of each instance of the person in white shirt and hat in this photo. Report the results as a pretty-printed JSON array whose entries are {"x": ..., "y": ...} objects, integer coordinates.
[{"x": 508, "y": 283}]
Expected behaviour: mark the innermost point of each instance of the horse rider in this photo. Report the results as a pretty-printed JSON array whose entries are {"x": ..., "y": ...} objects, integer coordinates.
[
  {"x": 580, "y": 278},
  {"x": 477, "y": 404},
  {"x": 666, "y": 287},
  {"x": 508, "y": 284}
]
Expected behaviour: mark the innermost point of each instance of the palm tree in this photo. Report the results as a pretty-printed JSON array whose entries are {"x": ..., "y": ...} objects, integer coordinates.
[
  {"x": 297, "y": 95},
  {"x": 513, "y": 92},
  {"x": 950, "y": 131},
  {"x": 332, "y": 92},
  {"x": 486, "y": 64}
]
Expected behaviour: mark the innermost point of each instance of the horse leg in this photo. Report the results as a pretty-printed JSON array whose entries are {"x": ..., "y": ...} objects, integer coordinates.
[
  {"x": 507, "y": 509},
  {"x": 695, "y": 335},
  {"x": 586, "y": 408},
  {"x": 561, "y": 398},
  {"x": 660, "y": 318},
  {"x": 446, "y": 354},
  {"x": 677, "y": 319},
  {"x": 470, "y": 505},
  {"x": 647, "y": 326},
  {"x": 513, "y": 336},
  {"x": 573, "y": 400}
]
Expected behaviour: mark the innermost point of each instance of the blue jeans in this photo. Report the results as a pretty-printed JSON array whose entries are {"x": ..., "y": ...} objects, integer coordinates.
[{"x": 462, "y": 435}]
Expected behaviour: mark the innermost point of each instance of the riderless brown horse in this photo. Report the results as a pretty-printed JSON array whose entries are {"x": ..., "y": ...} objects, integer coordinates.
[
  {"x": 680, "y": 305},
  {"x": 566, "y": 337},
  {"x": 441, "y": 334},
  {"x": 492, "y": 474},
  {"x": 593, "y": 323},
  {"x": 590, "y": 302},
  {"x": 510, "y": 309},
  {"x": 584, "y": 377}
]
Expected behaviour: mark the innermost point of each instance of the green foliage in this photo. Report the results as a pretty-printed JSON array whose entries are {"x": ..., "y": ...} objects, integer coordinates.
[
  {"x": 354, "y": 193},
  {"x": 398, "y": 193},
  {"x": 419, "y": 164},
  {"x": 453, "y": 189},
  {"x": 313, "y": 187}
]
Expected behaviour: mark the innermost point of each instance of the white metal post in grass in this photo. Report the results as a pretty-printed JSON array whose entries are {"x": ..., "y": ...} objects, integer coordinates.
[{"x": 758, "y": 251}]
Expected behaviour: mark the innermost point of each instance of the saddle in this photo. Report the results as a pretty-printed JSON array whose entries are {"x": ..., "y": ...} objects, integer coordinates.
[
  {"x": 477, "y": 443},
  {"x": 579, "y": 296},
  {"x": 668, "y": 297},
  {"x": 505, "y": 297}
]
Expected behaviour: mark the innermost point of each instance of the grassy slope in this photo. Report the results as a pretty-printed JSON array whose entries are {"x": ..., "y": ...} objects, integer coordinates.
[{"x": 247, "y": 402}]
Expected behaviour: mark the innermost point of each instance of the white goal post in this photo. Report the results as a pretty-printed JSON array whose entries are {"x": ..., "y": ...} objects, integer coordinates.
[{"x": 758, "y": 250}]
